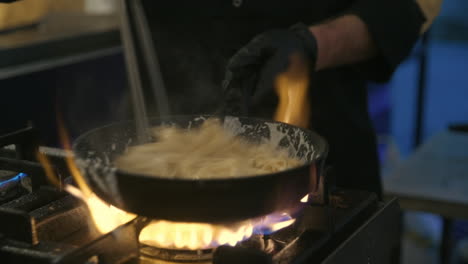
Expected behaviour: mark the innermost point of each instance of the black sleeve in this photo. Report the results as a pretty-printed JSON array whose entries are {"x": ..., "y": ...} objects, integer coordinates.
[{"x": 395, "y": 27}]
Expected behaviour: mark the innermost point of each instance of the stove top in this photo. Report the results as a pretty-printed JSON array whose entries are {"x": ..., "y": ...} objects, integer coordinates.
[{"x": 40, "y": 224}]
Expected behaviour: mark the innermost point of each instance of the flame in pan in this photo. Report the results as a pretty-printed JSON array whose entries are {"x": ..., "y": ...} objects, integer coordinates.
[{"x": 292, "y": 88}]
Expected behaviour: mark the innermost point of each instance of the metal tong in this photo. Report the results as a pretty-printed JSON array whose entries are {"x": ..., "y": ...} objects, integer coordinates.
[{"x": 135, "y": 34}]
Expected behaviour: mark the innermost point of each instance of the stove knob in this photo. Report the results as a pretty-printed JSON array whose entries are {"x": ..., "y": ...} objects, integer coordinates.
[{"x": 237, "y": 3}]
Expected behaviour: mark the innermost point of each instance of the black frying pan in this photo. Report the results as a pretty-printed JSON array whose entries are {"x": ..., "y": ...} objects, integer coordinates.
[{"x": 210, "y": 200}]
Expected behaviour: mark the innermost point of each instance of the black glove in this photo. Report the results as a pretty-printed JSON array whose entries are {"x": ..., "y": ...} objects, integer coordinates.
[{"x": 250, "y": 74}]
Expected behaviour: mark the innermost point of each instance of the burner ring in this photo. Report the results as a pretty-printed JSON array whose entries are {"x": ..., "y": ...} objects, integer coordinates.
[{"x": 176, "y": 255}]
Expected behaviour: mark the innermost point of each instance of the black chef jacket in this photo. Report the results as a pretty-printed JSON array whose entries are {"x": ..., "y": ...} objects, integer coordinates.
[{"x": 194, "y": 40}]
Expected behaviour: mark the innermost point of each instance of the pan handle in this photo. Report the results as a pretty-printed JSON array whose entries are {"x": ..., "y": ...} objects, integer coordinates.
[{"x": 323, "y": 184}]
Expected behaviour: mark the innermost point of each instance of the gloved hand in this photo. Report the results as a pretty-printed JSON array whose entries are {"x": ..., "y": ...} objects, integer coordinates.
[{"x": 251, "y": 72}]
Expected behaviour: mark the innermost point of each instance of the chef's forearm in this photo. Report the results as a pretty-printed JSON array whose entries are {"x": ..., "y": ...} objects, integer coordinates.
[
  {"x": 344, "y": 40},
  {"x": 430, "y": 9},
  {"x": 382, "y": 30}
]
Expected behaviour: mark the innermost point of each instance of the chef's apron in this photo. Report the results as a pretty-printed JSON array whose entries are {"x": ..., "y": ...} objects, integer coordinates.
[{"x": 195, "y": 39}]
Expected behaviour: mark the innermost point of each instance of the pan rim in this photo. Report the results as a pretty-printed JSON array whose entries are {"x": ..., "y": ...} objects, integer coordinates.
[{"x": 322, "y": 153}]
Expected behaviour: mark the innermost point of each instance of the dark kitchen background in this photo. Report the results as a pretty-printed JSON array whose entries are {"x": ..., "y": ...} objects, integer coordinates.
[{"x": 67, "y": 59}]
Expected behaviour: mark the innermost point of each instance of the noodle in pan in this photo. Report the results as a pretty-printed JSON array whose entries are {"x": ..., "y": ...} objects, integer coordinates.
[{"x": 206, "y": 152}]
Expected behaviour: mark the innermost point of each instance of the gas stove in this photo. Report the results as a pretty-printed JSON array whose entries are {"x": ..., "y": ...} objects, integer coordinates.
[{"x": 41, "y": 224}]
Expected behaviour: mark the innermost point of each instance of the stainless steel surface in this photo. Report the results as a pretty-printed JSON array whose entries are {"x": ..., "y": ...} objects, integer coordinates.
[
  {"x": 377, "y": 241},
  {"x": 435, "y": 178},
  {"x": 448, "y": 209},
  {"x": 60, "y": 39},
  {"x": 58, "y": 26},
  {"x": 42, "y": 65}
]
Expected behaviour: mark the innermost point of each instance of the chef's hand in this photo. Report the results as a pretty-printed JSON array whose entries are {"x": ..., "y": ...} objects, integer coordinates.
[{"x": 251, "y": 73}]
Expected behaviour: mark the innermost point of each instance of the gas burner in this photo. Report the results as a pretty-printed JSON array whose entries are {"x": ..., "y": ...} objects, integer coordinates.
[
  {"x": 263, "y": 244},
  {"x": 176, "y": 255},
  {"x": 6, "y": 175},
  {"x": 47, "y": 225},
  {"x": 12, "y": 185},
  {"x": 9, "y": 180},
  {"x": 195, "y": 236}
]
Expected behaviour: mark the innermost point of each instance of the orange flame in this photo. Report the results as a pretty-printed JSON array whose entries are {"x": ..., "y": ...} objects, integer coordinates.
[
  {"x": 105, "y": 217},
  {"x": 166, "y": 234},
  {"x": 75, "y": 172},
  {"x": 48, "y": 169},
  {"x": 292, "y": 88}
]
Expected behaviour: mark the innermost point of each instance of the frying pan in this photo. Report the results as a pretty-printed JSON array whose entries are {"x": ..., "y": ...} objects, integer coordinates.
[{"x": 205, "y": 200}]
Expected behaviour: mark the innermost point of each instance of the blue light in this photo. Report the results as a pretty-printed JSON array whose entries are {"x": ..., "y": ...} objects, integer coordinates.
[{"x": 17, "y": 178}]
